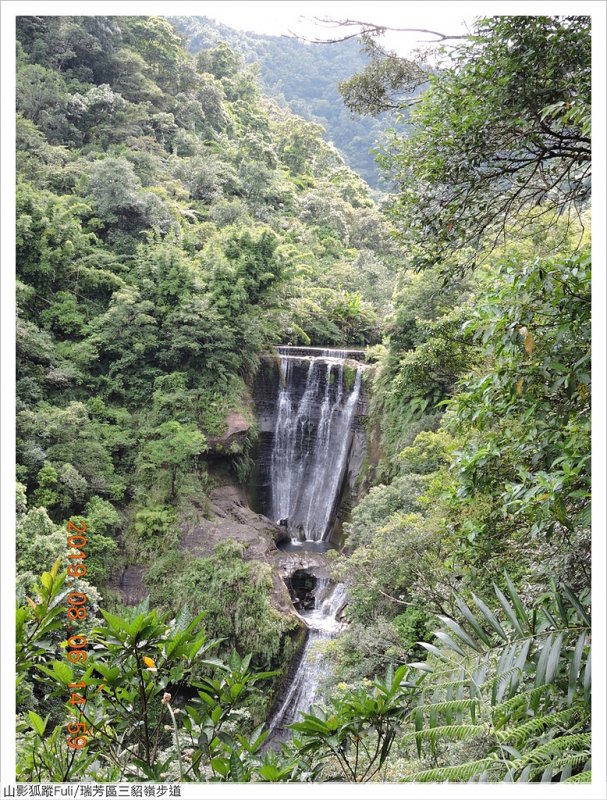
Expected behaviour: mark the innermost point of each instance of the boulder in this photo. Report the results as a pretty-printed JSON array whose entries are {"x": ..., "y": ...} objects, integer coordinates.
[
  {"x": 232, "y": 439},
  {"x": 227, "y": 517},
  {"x": 231, "y": 518}
]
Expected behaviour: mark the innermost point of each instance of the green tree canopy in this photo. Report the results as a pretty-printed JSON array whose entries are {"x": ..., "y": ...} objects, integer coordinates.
[{"x": 503, "y": 128}]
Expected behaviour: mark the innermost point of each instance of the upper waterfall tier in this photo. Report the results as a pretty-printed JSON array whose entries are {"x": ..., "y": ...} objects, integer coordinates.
[
  {"x": 311, "y": 440},
  {"x": 320, "y": 352}
]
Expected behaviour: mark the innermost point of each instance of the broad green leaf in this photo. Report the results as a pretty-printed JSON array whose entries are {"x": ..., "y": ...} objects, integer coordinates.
[
  {"x": 577, "y": 605},
  {"x": 542, "y": 663},
  {"x": 473, "y": 622},
  {"x": 516, "y": 601},
  {"x": 552, "y": 663},
  {"x": 38, "y": 724},
  {"x": 221, "y": 766},
  {"x": 236, "y": 768},
  {"x": 461, "y": 633},
  {"x": 444, "y": 637},
  {"x": 575, "y": 664},
  {"x": 509, "y": 610}
]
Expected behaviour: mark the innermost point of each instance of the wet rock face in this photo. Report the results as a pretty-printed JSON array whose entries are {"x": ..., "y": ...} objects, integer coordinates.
[
  {"x": 131, "y": 585},
  {"x": 266, "y": 394},
  {"x": 302, "y": 586}
]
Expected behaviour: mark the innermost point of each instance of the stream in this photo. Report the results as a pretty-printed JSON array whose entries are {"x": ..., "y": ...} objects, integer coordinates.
[{"x": 308, "y": 465}]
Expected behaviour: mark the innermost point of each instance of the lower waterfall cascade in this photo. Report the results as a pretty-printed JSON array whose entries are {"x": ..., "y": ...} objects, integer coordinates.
[
  {"x": 308, "y": 464},
  {"x": 322, "y": 624}
]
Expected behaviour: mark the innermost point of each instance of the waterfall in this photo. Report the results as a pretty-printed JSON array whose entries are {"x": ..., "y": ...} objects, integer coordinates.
[
  {"x": 322, "y": 624},
  {"x": 311, "y": 442},
  {"x": 312, "y": 434}
]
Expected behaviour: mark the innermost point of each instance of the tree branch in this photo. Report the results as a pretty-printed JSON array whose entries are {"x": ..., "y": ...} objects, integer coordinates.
[{"x": 370, "y": 28}]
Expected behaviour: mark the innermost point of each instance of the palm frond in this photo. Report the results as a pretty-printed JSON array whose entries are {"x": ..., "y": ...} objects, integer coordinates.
[{"x": 521, "y": 675}]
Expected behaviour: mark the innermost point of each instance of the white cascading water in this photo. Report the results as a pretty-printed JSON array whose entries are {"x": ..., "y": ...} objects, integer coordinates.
[
  {"x": 304, "y": 688},
  {"x": 311, "y": 443},
  {"x": 310, "y": 447}
]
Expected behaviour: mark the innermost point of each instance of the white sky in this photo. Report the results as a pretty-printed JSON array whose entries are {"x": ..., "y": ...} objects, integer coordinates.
[
  {"x": 288, "y": 17},
  {"x": 301, "y": 17},
  {"x": 285, "y": 17}
]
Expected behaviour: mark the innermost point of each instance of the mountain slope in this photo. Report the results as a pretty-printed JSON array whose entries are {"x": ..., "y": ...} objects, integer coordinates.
[{"x": 305, "y": 77}]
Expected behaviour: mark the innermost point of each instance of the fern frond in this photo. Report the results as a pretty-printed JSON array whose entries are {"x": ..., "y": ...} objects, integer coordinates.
[
  {"x": 528, "y": 669},
  {"x": 446, "y": 685},
  {"x": 461, "y": 772},
  {"x": 521, "y": 700},
  {"x": 570, "y": 762},
  {"x": 581, "y": 777},
  {"x": 508, "y": 675},
  {"x": 556, "y": 747},
  {"x": 448, "y": 707},
  {"x": 452, "y": 733},
  {"x": 535, "y": 726}
]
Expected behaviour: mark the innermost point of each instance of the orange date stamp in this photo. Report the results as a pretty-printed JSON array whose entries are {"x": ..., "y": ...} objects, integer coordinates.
[{"x": 76, "y": 644}]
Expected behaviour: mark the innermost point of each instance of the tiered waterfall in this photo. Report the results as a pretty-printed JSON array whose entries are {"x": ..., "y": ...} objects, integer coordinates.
[{"x": 313, "y": 427}]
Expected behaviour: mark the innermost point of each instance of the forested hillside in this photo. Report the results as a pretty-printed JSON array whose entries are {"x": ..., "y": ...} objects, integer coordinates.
[
  {"x": 173, "y": 224},
  {"x": 305, "y": 77}
]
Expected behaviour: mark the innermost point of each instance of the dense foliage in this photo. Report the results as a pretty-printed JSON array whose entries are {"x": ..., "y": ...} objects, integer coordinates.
[
  {"x": 505, "y": 128},
  {"x": 172, "y": 223},
  {"x": 481, "y": 408},
  {"x": 517, "y": 689},
  {"x": 304, "y": 76}
]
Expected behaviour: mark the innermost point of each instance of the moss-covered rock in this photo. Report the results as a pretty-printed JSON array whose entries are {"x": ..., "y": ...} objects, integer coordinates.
[
  {"x": 231, "y": 441},
  {"x": 349, "y": 376}
]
